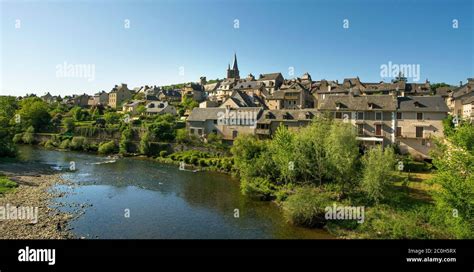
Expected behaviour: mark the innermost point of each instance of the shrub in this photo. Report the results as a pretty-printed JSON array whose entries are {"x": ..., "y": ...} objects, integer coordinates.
[
  {"x": 18, "y": 138},
  {"x": 78, "y": 143},
  {"x": 6, "y": 185},
  {"x": 163, "y": 153},
  {"x": 258, "y": 187},
  {"x": 28, "y": 136},
  {"x": 68, "y": 124},
  {"x": 181, "y": 135},
  {"x": 306, "y": 207},
  {"x": 107, "y": 148},
  {"x": 65, "y": 144},
  {"x": 384, "y": 222},
  {"x": 377, "y": 173},
  {"x": 49, "y": 144},
  {"x": 145, "y": 144}
]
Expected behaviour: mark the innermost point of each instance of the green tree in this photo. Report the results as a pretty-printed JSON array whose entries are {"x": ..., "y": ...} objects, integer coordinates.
[
  {"x": 8, "y": 107},
  {"x": 455, "y": 177},
  {"x": 282, "y": 149},
  {"x": 310, "y": 151},
  {"x": 112, "y": 117},
  {"x": 141, "y": 109},
  {"x": 163, "y": 130},
  {"x": 68, "y": 124},
  {"x": 377, "y": 173},
  {"x": 189, "y": 103},
  {"x": 34, "y": 112},
  {"x": 125, "y": 141},
  {"x": 7, "y": 148},
  {"x": 181, "y": 135},
  {"x": 145, "y": 144},
  {"x": 464, "y": 137},
  {"x": 29, "y": 135},
  {"x": 246, "y": 150},
  {"x": 342, "y": 152},
  {"x": 448, "y": 125}
]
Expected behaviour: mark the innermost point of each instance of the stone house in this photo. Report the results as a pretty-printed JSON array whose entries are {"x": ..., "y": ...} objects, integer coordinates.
[{"x": 118, "y": 95}]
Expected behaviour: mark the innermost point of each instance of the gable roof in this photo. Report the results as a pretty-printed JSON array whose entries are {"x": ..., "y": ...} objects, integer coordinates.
[
  {"x": 359, "y": 103},
  {"x": 422, "y": 104},
  {"x": 271, "y": 76}
]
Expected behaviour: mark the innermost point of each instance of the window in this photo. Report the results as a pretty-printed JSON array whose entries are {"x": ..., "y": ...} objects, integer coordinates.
[
  {"x": 419, "y": 132},
  {"x": 360, "y": 129},
  {"x": 192, "y": 131},
  {"x": 378, "y": 116},
  {"x": 199, "y": 131},
  {"x": 234, "y": 134},
  {"x": 378, "y": 130},
  {"x": 338, "y": 115},
  {"x": 398, "y": 132},
  {"x": 360, "y": 115},
  {"x": 419, "y": 116},
  {"x": 215, "y": 122},
  {"x": 399, "y": 116}
]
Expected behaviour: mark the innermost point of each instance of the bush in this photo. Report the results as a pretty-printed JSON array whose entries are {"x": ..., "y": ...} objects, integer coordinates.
[
  {"x": 413, "y": 166},
  {"x": 78, "y": 143},
  {"x": 181, "y": 135},
  {"x": 28, "y": 136},
  {"x": 306, "y": 207},
  {"x": 65, "y": 144},
  {"x": 377, "y": 173},
  {"x": 384, "y": 222},
  {"x": 18, "y": 138},
  {"x": 145, "y": 144},
  {"x": 68, "y": 124},
  {"x": 6, "y": 185},
  {"x": 163, "y": 153},
  {"x": 49, "y": 144},
  {"x": 258, "y": 187},
  {"x": 107, "y": 148}
]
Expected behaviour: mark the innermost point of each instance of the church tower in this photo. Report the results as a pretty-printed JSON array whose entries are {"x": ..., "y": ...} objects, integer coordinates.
[{"x": 234, "y": 72}]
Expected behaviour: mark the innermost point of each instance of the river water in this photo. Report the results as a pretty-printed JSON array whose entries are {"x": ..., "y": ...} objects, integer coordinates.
[{"x": 132, "y": 198}]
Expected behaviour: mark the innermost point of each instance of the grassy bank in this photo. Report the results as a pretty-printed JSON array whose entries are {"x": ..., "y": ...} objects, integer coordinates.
[
  {"x": 6, "y": 185},
  {"x": 210, "y": 161}
]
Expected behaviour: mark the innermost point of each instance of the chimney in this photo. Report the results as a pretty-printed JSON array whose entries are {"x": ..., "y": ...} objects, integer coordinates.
[
  {"x": 329, "y": 88},
  {"x": 460, "y": 83}
]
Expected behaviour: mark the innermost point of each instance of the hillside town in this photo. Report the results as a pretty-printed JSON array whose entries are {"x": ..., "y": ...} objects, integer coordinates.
[{"x": 383, "y": 113}]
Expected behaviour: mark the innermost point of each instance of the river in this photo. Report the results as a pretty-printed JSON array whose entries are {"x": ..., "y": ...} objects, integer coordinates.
[{"x": 132, "y": 198}]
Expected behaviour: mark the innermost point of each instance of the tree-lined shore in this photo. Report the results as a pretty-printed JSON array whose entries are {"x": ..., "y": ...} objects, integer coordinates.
[{"x": 304, "y": 171}]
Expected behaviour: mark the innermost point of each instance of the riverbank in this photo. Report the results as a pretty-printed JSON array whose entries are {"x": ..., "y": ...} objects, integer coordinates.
[{"x": 34, "y": 190}]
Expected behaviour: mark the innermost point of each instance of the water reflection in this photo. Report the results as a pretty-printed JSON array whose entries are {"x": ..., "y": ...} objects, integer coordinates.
[{"x": 163, "y": 202}]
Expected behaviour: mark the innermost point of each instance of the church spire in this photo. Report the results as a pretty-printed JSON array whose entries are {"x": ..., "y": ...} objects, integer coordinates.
[{"x": 234, "y": 66}]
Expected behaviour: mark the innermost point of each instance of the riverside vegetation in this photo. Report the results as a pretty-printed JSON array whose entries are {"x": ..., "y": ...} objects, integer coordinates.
[{"x": 304, "y": 171}]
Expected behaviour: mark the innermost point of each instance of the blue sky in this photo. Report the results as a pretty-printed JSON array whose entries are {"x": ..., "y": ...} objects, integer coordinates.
[{"x": 199, "y": 36}]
